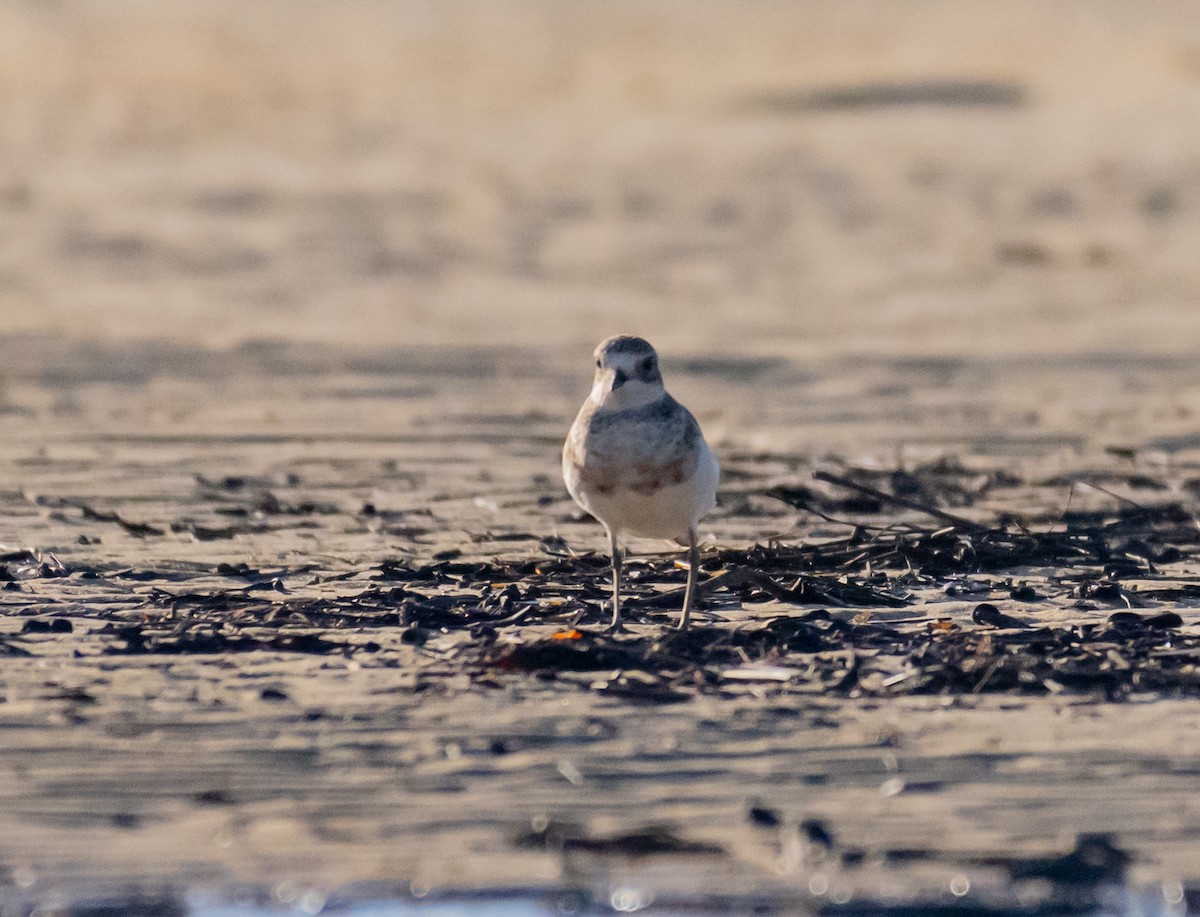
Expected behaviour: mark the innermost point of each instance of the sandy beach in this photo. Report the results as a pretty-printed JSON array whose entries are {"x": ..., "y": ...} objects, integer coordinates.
[{"x": 298, "y": 304}]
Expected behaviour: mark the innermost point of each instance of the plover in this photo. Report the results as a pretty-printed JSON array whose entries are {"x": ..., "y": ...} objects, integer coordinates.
[{"x": 636, "y": 460}]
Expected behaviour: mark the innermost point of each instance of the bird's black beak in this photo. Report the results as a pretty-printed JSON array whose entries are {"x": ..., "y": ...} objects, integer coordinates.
[{"x": 619, "y": 379}]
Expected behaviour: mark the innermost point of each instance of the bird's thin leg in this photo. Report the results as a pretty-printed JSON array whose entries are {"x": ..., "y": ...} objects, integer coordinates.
[
  {"x": 615, "y": 548},
  {"x": 693, "y": 566}
]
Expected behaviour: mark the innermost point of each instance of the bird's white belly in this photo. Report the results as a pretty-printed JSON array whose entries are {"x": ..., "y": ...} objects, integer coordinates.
[{"x": 668, "y": 512}]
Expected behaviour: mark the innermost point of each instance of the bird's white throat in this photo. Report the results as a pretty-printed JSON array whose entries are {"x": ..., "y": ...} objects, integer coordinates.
[{"x": 634, "y": 393}]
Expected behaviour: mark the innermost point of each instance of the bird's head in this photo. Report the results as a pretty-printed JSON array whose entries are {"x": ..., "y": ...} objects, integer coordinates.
[{"x": 627, "y": 374}]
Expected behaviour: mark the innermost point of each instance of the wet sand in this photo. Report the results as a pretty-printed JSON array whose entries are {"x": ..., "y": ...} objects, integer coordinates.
[
  {"x": 226, "y": 754},
  {"x": 312, "y": 309}
]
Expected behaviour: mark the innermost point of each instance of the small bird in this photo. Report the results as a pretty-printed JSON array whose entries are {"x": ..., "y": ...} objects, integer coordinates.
[{"x": 636, "y": 460}]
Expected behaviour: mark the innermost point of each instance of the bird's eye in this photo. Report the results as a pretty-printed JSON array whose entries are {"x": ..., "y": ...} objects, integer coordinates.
[
  {"x": 597, "y": 364},
  {"x": 647, "y": 366}
]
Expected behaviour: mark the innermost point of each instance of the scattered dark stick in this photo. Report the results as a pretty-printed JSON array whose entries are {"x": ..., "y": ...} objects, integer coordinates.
[
  {"x": 1117, "y": 496},
  {"x": 958, "y": 521}
]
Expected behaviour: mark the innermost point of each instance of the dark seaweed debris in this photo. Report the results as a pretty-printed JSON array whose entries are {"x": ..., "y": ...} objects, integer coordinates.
[
  {"x": 815, "y": 652},
  {"x": 140, "y": 639},
  {"x": 651, "y": 840},
  {"x": 1086, "y": 556},
  {"x": 1133, "y": 539},
  {"x": 799, "y": 616},
  {"x": 1080, "y": 881}
]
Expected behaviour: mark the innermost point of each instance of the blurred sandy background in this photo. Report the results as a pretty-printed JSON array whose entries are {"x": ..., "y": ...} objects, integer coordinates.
[
  {"x": 806, "y": 178},
  {"x": 357, "y": 253}
]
